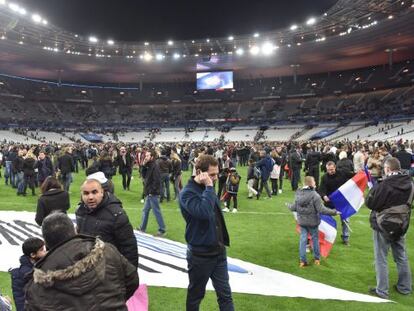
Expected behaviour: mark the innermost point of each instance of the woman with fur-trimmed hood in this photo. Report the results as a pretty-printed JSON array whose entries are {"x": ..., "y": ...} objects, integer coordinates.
[{"x": 79, "y": 272}]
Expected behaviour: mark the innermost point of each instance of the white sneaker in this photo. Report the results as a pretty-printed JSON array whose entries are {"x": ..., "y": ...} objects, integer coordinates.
[
  {"x": 142, "y": 201},
  {"x": 280, "y": 190},
  {"x": 234, "y": 210},
  {"x": 225, "y": 210}
]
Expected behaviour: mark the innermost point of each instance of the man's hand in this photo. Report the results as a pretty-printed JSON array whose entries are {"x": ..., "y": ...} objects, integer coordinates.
[
  {"x": 203, "y": 179},
  {"x": 326, "y": 199},
  {"x": 338, "y": 213}
]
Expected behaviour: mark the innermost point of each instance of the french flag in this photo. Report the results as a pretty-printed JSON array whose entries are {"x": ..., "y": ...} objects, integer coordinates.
[
  {"x": 349, "y": 198},
  {"x": 327, "y": 233}
]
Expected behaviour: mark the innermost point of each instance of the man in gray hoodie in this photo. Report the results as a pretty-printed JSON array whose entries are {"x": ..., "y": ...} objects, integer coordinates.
[{"x": 308, "y": 205}]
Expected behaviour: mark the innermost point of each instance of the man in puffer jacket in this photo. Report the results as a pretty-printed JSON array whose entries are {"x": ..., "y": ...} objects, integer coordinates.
[{"x": 308, "y": 205}]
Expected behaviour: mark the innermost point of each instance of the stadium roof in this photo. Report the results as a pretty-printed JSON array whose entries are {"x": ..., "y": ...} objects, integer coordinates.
[{"x": 352, "y": 34}]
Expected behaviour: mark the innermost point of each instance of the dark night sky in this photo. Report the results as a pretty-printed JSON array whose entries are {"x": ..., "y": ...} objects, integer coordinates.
[{"x": 137, "y": 20}]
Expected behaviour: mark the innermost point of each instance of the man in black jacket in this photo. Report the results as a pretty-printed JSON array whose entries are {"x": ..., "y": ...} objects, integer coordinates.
[
  {"x": 295, "y": 164},
  {"x": 330, "y": 182},
  {"x": 65, "y": 166},
  {"x": 125, "y": 164},
  {"x": 101, "y": 214},
  {"x": 312, "y": 164},
  {"x": 405, "y": 159},
  {"x": 394, "y": 190},
  {"x": 165, "y": 166},
  {"x": 152, "y": 186},
  {"x": 79, "y": 272}
]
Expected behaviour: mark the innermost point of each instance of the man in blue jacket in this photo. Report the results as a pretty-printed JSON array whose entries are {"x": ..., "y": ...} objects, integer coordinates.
[
  {"x": 265, "y": 165},
  {"x": 206, "y": 236}
]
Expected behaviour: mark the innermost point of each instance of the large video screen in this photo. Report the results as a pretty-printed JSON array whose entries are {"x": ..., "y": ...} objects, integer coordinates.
[{"x": 220, "y": 80}]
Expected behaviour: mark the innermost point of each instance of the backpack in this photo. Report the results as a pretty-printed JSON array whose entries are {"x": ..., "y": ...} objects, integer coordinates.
[{"x": 395, "y": 220}]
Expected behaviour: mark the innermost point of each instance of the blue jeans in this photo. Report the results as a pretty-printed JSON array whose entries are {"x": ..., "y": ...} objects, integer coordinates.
[
  {"x": 151, "y": 201},
  {"x": 165, "y": 187},
  {"x": 295, "y": 179},
  {"x": 20, "y": 182},
  {"x": 314, "y": 232},
  {"x": 66, "y": 180},
  {"x": 345, "y": 230},
  {"x": 200, "y": 270},
  {"x": 8, "y": 173},
  {"x": 381, "y": 248}
]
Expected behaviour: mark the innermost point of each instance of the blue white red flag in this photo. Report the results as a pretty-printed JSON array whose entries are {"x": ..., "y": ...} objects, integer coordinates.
[{"x": 349, "y": 198}]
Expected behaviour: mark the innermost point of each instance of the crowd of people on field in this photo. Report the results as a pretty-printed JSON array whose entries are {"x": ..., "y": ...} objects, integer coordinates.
[{"x": 70, "y": 260}]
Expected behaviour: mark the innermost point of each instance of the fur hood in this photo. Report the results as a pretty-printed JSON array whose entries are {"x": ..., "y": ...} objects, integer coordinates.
[{"x": 73, "y": 266}]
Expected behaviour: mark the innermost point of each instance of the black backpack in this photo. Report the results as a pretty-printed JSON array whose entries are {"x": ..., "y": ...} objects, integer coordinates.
[{"x": 395, "y": 220}]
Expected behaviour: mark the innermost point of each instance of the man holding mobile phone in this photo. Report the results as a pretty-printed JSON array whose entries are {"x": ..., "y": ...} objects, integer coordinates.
[{"x": 206, "y": 235}]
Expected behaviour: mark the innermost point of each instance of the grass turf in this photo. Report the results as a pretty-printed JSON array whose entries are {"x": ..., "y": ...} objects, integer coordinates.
[{"x": 263, "y": 232}]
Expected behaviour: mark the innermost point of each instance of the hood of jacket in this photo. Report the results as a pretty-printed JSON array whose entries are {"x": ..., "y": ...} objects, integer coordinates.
[
  {"x": 75, "y": 267},
  {"x": 401, "y": 182}
]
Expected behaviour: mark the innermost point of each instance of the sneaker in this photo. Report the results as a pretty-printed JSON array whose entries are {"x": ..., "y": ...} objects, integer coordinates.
[
  {"x": 346, "y": 243},
  {"x": 250, "y": 198},
  {"x": 160, "y": 234},
  {"x": 280, "y": 191},
  {"x": 303, "y": 264},
  {"x": 225, "y": 210},
  {"x": 317, "y": 262},
  {"x": 234, "y": 210},
  {"x": 398, "y": 291},
  {"x": 142, "y": 201},
  {"x": 373, "y": 291}
]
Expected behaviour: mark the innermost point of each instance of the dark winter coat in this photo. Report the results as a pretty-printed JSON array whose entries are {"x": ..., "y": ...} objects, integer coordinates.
[
  {"x": 345, "y": 165},
  {"x": 124, "y": 167},
  {"x": 52, "y": 200},
  {"x": 19, "y": 277},
  {"x": 45, "y": 169},
  {"x": 29, "y": 166},
  {"x": 393, "y": 190},
  {"x": 152, "y": 183},
  {"x": 83, "y": 273},
  {"x": 65, "y": 164},
  {"x": 110, "y": 222}
]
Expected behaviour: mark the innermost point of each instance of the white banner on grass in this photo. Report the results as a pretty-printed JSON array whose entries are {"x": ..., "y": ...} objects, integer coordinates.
[{"x": 162, "y": 263}]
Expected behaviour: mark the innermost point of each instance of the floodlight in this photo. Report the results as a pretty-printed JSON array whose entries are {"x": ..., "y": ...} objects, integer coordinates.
[
  {"x": 148, "y": 57},
  {"x": 159, "y": 57},
  {"x": 240, "y": 51},
  {"x": 267, "y": 48},
  {"x": 311, "y": 21},
  {"x": 110, "y": 42},
  {"x": 93, "y": 39},
  {"x": 36, "y": 18},
  {"x": 293, "y": 27},
  {"x": 254, "y": 50}
]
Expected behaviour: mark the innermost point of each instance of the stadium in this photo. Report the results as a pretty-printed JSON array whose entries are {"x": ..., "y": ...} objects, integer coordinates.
[{"x": 337, "y": 84}]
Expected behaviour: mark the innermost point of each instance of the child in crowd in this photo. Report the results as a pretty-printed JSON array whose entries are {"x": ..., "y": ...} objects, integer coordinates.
[
  {"x": 252, "y": 179},
  {"x": 308, "y": 205},
  {"x": 33, "y": 250},
  {"x": 232, "y": 186}
]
